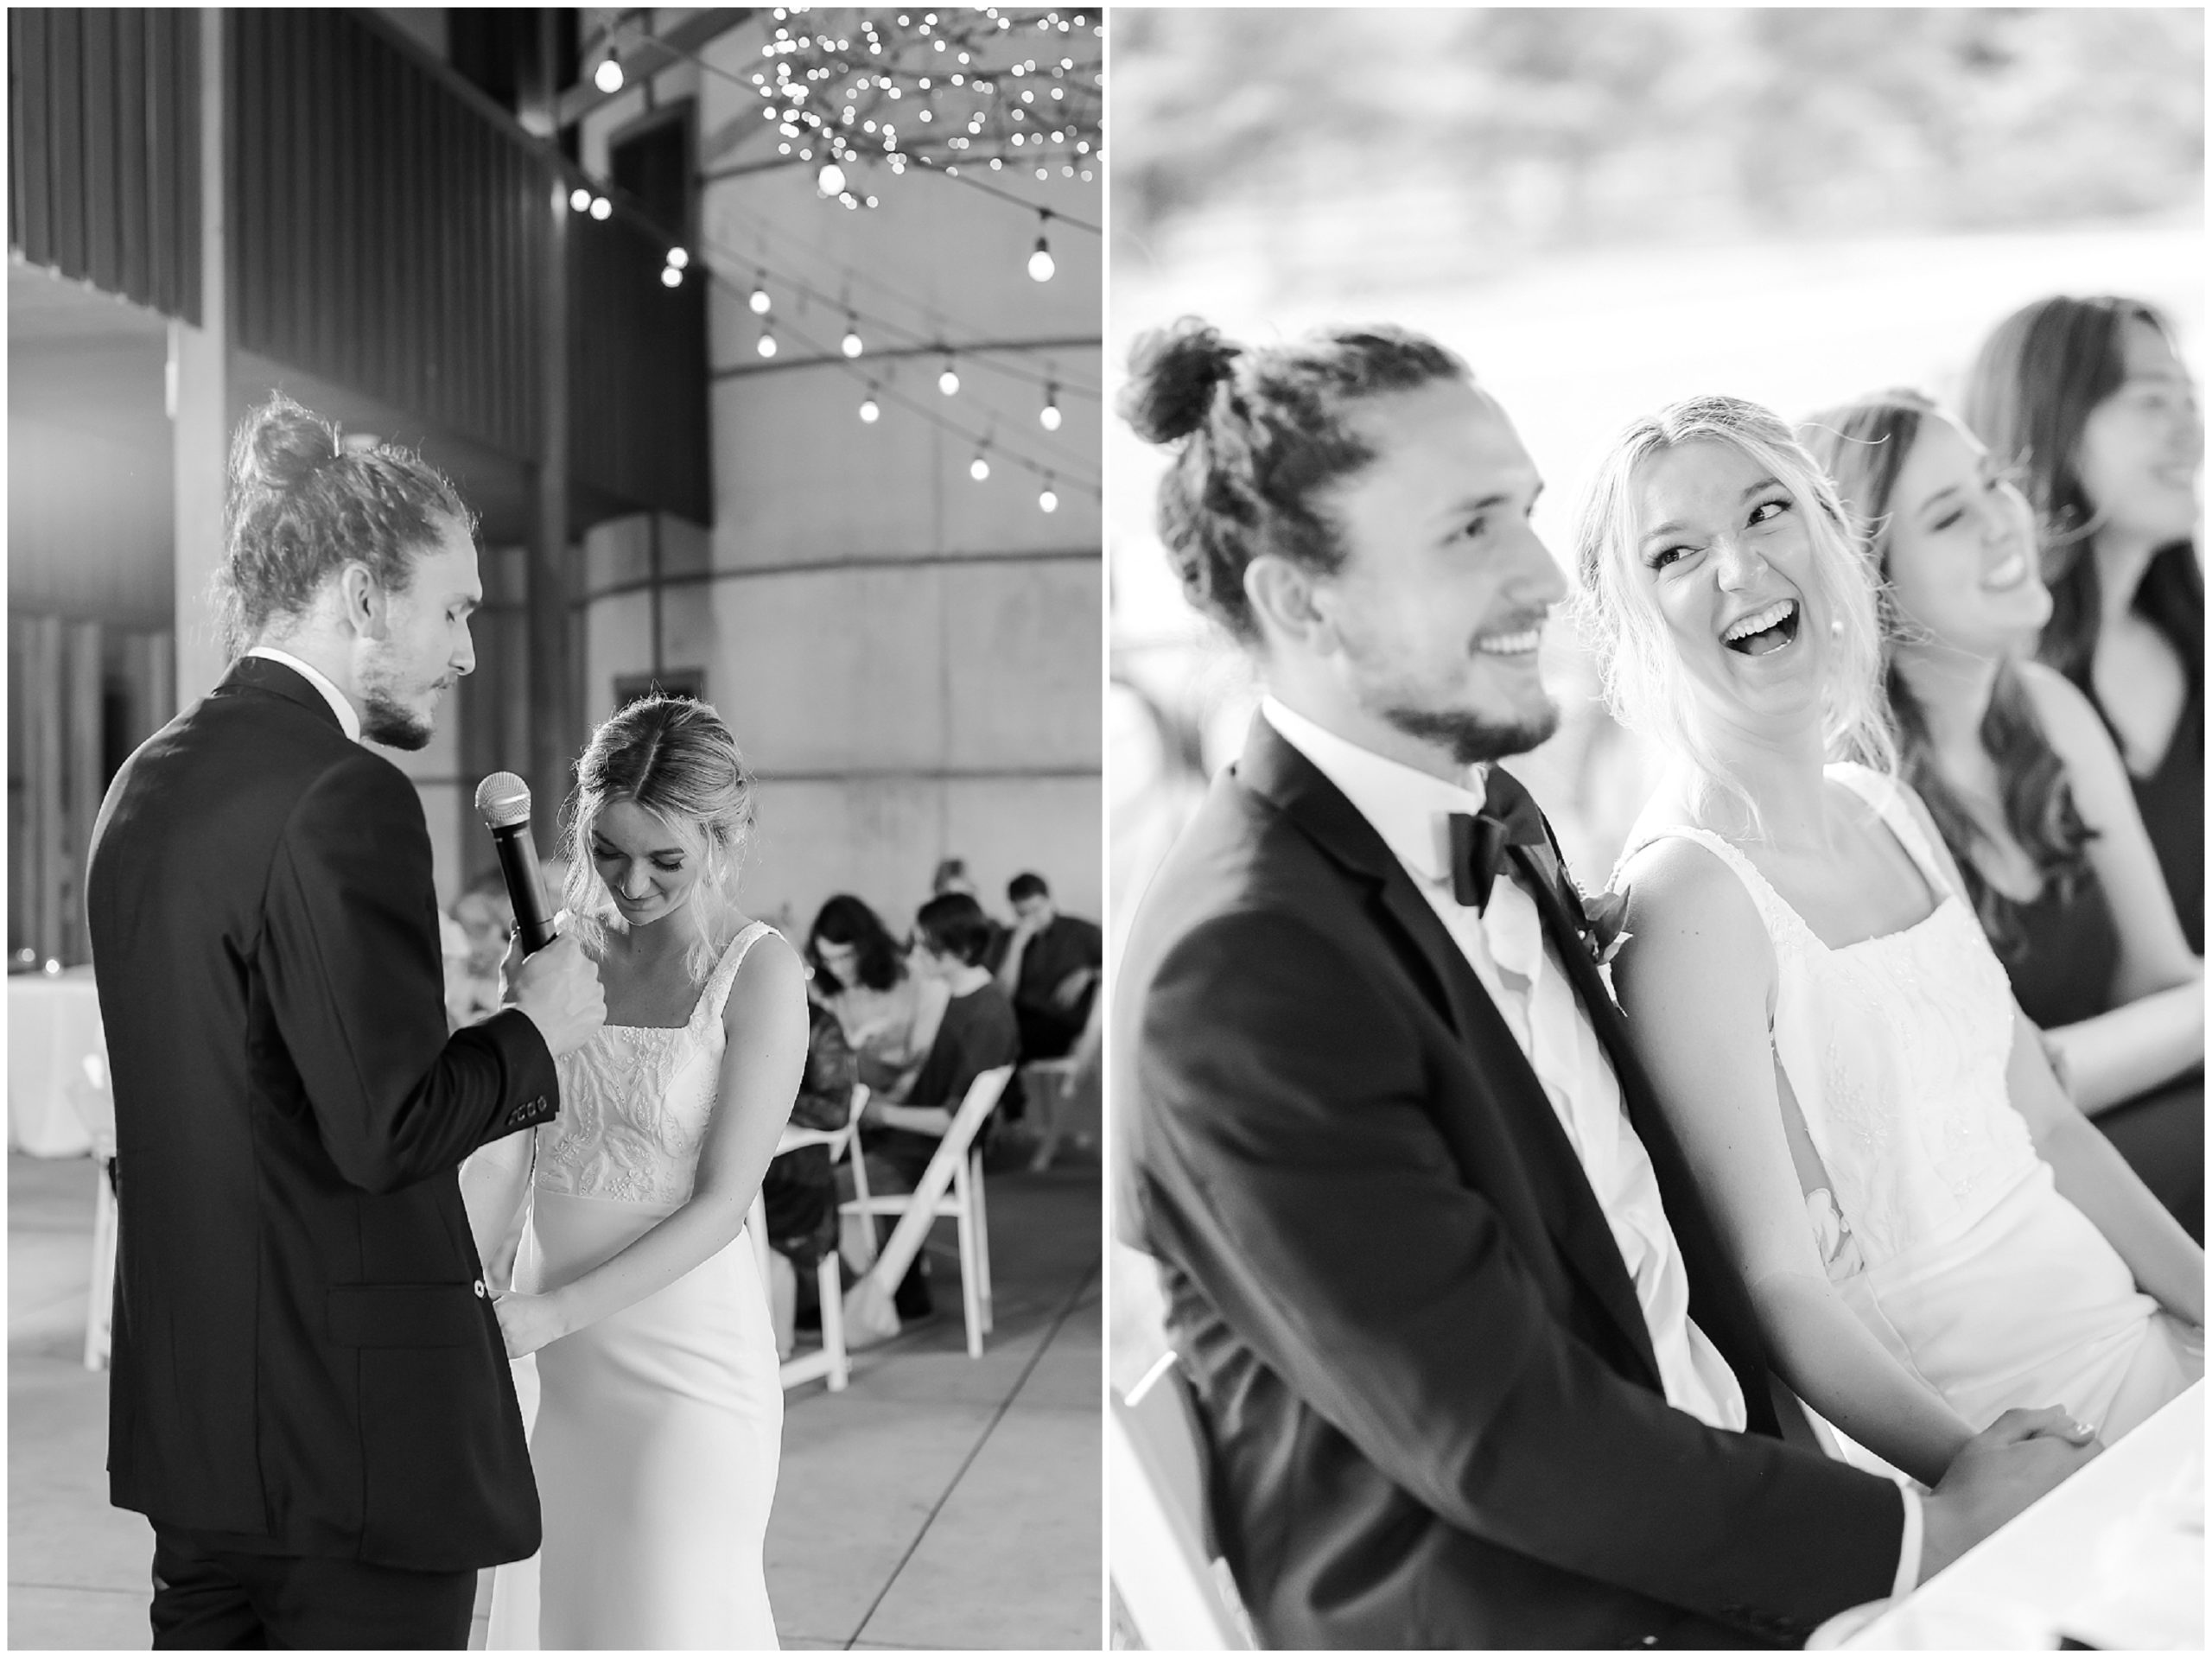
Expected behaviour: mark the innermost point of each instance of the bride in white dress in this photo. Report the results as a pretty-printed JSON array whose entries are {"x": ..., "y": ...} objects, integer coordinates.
[
  {"x": 1930, "y": 1232},
  {"x": 661, "y": 1405}
]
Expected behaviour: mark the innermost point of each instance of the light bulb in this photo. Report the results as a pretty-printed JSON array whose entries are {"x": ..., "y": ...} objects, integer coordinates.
[
  {"x": 869, "y": 412},
  {"x": 1049, "y": 415},
  {"x": 602, "y": 207},
  {"x": 853, "y": 345},
  {"x": 979, "y": 468},
  {"x": 608, "y": 76},
  {"x": 767, "y": 345},
  {"x": 1047, "y": 501},
  {"x": 679, "y": 258},
  {"x": 948, "y": 382},
  {"x": 1040, "y": 262},
  {"x": 580, "y": 200},
  {"x": 759, "y": 301},
  {"x": 671, "y": 276},
  {"x": 831, "y": 178}
]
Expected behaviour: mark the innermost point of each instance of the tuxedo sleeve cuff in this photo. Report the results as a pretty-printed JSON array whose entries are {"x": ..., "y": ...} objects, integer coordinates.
[{"x": 1908, "y": 1548}]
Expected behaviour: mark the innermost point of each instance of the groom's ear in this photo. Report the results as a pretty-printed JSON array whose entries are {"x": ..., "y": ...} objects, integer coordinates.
[
  {"x": 1284, "y": 602},
  {"x": 363, "y": 602}
]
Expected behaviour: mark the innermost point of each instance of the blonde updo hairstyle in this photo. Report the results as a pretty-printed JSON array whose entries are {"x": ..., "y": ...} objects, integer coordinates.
[
  {"x": 1641, "y": 673},
  {"x": 672, "y": 757}
]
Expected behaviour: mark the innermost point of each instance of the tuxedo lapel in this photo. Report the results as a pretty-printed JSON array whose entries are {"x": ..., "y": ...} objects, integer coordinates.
[
  {"x": 1719, "y": 1304},
  {"x": 1567, "y": 1207}
]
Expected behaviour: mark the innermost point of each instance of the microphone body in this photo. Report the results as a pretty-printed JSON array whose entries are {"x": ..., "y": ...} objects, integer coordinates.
[{"x": 504, "y": 800}]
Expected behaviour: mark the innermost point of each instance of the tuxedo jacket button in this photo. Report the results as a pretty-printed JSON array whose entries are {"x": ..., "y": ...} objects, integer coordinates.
[{"x": 479, "y": 1289}]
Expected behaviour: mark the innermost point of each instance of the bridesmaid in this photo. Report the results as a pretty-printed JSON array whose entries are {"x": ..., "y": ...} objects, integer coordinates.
[
  {"x": 2089, "y": 399},
  {"x": 2019, "y": 775}
]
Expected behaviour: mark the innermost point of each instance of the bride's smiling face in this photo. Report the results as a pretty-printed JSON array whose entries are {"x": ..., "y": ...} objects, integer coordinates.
[
  {"x": 649, "y": 869},
  {"x": 1723, "y": 549}
]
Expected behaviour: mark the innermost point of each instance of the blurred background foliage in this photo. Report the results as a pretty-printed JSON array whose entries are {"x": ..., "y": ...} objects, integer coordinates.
[{"x": 1548, "y": 128}]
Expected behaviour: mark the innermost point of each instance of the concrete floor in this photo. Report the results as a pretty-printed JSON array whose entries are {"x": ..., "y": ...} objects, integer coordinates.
[{"x": 938, "y": 1502}]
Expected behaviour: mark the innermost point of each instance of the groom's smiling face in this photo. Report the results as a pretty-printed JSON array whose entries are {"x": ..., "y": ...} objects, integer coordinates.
[{"x": 1435, "y": 615}]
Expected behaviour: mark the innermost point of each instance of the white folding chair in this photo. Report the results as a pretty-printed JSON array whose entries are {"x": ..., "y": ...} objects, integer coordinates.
[
  {"x": 1177, "y": 1591},
  {"x": 95, "y": 1106},
  {"x": 830, "y": 1361},
  {"x": 952, "y": 1188}
]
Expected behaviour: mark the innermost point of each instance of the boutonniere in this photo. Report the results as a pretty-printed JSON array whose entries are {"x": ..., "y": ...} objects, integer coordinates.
[{"x": 1603, "y": 931}]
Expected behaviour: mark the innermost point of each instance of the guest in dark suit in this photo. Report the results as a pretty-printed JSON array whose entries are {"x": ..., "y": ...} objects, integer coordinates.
[
  {"x": 1472, "y": 1367},
  {"x": 1051, "y": 968},
  {"x": 310, "y": 1398}
]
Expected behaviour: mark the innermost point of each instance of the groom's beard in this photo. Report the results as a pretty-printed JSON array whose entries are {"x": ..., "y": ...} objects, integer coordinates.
[
  {"x": 1472, "y": 739},
  {"x": 385, "y": 719}
]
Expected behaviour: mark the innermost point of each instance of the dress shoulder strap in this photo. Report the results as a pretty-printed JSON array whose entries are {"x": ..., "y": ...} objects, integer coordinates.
[
  {"x": 1888, "y": 796},
  {"x": 715, "y": 997},
  {"x": 1781, "y": 921}
]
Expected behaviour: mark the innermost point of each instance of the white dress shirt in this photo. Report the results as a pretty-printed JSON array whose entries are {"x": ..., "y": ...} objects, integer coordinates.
[
  {"x": 1506, "y": 946},
  {"x": 331, "y": 694}
]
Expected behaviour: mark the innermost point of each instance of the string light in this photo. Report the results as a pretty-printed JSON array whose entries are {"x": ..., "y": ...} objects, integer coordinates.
[
  {"x": 679, "y": 258},
  {"x": 601, "y": 208},
  {"x": 1040, "y": 259},
  {"x": 758, "y": 299},
  {"x": 979, "y": 468},
  {"x": 671, "y": 276},
  {"x": 1047, "y": 501},
  {"x": 608, "y": 76},
  {"x": 852, "y": 345},
  {"x": 580, "y": 200},
  {"x": 767, "y": 346},
  {"x": 871, "y": 411},
  {"x": 831, "y": 178},
  {"x": 948, "y": 382},
  {"x": 1049, "y": 415}
]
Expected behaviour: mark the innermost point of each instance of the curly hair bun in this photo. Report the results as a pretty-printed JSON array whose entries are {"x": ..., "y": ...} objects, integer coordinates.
[
  {"x": 1172, "y": 374},
  {"x": 280, "y": 445}
]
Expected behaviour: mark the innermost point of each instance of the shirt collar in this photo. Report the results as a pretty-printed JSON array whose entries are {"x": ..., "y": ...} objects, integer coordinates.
[
  {"x": 1406, "y": 808},
  {"x": 338, "y": 704}
]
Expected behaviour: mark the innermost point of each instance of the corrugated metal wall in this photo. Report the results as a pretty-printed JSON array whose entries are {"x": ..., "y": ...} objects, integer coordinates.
[{"x": 103, "y": 149}]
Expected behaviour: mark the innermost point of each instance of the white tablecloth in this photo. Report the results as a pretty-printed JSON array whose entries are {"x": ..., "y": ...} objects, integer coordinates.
[
  {"x": 53, "y": 1023},
  {"x": 2113, "y": 1558}
]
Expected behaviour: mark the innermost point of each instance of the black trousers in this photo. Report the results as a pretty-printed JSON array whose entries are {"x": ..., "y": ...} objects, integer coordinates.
[{"x": 207, "y": 1597}]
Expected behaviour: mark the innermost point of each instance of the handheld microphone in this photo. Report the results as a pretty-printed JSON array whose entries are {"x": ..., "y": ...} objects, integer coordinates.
[{"x": 503, "y": 801}]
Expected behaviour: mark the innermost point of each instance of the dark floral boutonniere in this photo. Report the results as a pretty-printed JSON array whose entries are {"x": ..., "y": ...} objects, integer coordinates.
[{"x": 1603, "y": 931}]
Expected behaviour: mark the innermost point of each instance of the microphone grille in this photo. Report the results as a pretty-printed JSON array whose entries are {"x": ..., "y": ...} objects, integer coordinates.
[{"x": 503, "y": 800}]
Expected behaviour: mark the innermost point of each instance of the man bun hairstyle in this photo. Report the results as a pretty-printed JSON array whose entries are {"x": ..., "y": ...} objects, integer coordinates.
[
  {"x": 1258, "y": 431},
  {"x": 300, "y": 505}
]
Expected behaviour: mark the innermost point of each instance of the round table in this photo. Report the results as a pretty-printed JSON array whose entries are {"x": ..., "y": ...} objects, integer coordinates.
[{"x": 53, "y": 1026}]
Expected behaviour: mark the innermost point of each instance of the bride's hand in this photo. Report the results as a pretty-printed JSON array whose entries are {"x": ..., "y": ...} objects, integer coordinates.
[{"x": 528, "y": 1322}]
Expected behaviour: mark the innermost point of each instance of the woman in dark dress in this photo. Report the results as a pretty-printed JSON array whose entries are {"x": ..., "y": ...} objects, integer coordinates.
[
  {"x": 2089, "y": 400},
  {"x": 2020, "y": 774}
]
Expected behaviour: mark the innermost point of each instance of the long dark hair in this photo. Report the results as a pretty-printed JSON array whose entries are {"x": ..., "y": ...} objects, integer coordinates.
[
  {"x": 878, "y": 962},
  {"x": 2031, "y": 392},
  {"x": 1864, "y": 445}
]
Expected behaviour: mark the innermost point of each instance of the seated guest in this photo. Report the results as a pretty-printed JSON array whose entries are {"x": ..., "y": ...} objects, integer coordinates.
[
  {"x": 2025, "y": 784},
  {"x": 1051, "y": 970},
  {"x": 951, "y": 876},
  {"x": 888, "y": 1015},
  {"x": 2089, "y": 399},
  {"x": 476, "y": 938},
  {"x": 975, "y": 1034},
  {"x": 799, "y": 1191}
]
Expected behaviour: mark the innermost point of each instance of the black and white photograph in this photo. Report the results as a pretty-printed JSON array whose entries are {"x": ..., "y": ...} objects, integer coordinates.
[
  {"x": 1655, "y": 745},
  {"x": 555, "y": 896}
]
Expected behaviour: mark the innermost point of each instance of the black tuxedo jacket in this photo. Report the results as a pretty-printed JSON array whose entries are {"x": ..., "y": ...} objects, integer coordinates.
[
  {"x": 1432, "y": 1410},
  {"x": 305, "y": 1361}
]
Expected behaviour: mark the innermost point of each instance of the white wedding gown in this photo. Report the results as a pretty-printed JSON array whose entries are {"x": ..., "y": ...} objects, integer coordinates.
[
  {"x": 658, "y": 1428},
  {"x": 1942, "y": 1228}
]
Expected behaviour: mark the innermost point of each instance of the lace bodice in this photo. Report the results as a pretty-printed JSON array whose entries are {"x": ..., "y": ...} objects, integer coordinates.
[
  {"x": 636, "y": 1099},
  {"x": 1895, "y": 1048}
]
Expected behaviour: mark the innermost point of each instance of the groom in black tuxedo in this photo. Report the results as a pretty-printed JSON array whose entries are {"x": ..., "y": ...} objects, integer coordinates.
[
  {"x": 310, "y": 1398},
  {"x": 1473, "y": 1368}
]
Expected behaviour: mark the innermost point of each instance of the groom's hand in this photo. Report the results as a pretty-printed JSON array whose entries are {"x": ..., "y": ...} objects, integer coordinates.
[
  {"x": 2019, "y": 1458},
  {"x": 559, "y": 988}
]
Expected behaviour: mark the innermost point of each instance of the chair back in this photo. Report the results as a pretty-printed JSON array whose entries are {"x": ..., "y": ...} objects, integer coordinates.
[
  {"x": 1177, "y": 1593},
  {"x": 920, "y": 1210}
]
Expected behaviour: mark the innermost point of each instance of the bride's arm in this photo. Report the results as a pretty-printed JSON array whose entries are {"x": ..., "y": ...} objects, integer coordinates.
[
  {"x": 493, "y": 1181},
  {"x": 766, "y": 1028},
  {"x": 1697, "y": 981},
  {"x": 2093, "y": 1176}
]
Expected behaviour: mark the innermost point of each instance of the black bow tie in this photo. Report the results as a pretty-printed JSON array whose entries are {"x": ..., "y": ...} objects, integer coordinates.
[{"x": 1508, "y": 817}]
